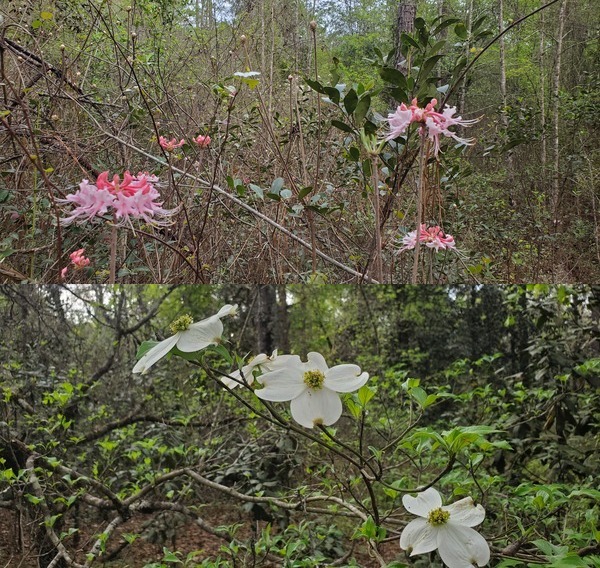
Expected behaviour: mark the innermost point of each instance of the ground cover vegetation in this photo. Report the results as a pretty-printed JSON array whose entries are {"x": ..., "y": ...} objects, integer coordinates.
[
  {"x": 460, "y": 426},
  {"x": 265, "y": 141}
]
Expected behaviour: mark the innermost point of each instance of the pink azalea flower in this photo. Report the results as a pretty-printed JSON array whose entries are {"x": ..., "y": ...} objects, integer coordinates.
[
  {"x": 170, "y": 145},
  {"x": 436, "y": 123},
  {"x": 432, "y": 237},
  {"x": 133, "y": 197},
  {"x": 78, "y": 259},
  {"x": 63, "y": 272},
  {"x": 202, "y": 141}
]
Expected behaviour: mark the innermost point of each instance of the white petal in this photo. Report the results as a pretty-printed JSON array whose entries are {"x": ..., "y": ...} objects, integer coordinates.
[
  {"x": 155, "y": 354},
  {"x": 276, "y": 362},
  {"x": 283, "y": 384},
  {"x": 316, "y": 361},
  {"x": 345, "y": 378},
  {"x": 423, "y": 503},
  {"x": 227, "y": 310},
  {"x": 201, "y": 334},
  {"x": 316, "y": 407},
  {"x": 234, "y": 379},
  {"x": 462, "y": 547},
  {"x": 465, "y": 512},
  {"x": 418, "y": 537}
]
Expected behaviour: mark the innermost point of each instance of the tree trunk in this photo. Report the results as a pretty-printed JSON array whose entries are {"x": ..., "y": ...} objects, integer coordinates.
[
  {"x": 543, "y": 156},
  {"x": 265, "y": 319},
  {"x": 405, "y": 23},
  {"x": 463, "y": 88},
  {"x": 556, "y": 111}
]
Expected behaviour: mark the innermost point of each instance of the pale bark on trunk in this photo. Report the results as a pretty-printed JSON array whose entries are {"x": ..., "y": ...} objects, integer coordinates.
[
  {"x": 556, "y": 111},
  {"x": 504, "y": 112},
  {"x": 463, "y": 88},
  {"x": 543, "y": 154}
]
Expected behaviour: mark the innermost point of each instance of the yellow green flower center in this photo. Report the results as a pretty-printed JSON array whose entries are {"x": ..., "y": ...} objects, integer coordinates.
[
  {"x": 182, "y": 323},
  {"x": 438, "y": 517},
  {"x": 314, "y": 379}
]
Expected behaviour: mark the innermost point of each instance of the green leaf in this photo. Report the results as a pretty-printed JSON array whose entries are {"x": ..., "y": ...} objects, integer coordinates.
[
  {"x": 315, "y": 86},
  {"x": 429, "y": 65},
  {"x": 169, "y": 556},
  {"x": 258, "y": 190},
  {"x": 393, "y": 76},
  {"x": 277, "y": 185},
  {"x": 144, "y": 347},
  {"x": 444, "y": 25},
  {"x": 333, "y": 94},
  {"x": 36, "y": 24},
  {"x": 409, "y": 40},
  {"x": 362, "y": 108},
  {"x": 461, "y": 31},
  {"x": 304, "y": 191},
  {"x": 350, "y": 101},
  {"x": 46, "y": 15},
  {"x": 342, "y": 126},
  {"x": 365, "y": 394}
]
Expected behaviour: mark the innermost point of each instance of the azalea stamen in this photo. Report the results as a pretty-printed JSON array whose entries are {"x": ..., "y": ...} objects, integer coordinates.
[
  {"x": 314, "y": 379},
  {"x": 182, "y": 323},
  {"x": 438, "y": 517}
]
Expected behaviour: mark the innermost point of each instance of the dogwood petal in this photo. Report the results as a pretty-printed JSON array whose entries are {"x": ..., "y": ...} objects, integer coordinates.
[
  {"x": 201, "y": 334},
  {"x": 345, "y": 378},
  {"x": 462, "y": 547},
  {"x": 316, "y": 361},
  {"x": 418, "y": 537},
  {"x": 283, "y": 384},
  {"x": 465, "y": 512},
  {"x": 155, "y": 354},
  {"x": 316, "y": 407},
  {"x": 423, "y": 503}
]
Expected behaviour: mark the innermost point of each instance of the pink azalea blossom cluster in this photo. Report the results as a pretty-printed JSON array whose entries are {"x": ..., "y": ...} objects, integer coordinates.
[
  {"x": 78, "y": 260},
  {"x": 133, "y": 197},
  {"x": 435, "y": 122},
  {"x": 170, "y": 145},
  {"x": 432, "y": 237},
  {"x": 202, "y": 141}
]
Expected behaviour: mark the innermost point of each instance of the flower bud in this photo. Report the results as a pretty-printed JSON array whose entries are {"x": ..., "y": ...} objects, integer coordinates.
[{"x": 313, "y": 25}]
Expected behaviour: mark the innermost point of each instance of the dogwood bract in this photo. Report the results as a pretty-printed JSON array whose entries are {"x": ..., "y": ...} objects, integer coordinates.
[
  {"x": 188, "y": 337},
  {"x": 446, "y": 528},
  {"x": 311, "y": 387},
  {"x": 236, "y": 378}
]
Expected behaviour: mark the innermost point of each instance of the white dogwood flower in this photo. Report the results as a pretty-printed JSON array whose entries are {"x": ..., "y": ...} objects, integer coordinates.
[
  {"x": 446, "y": 528},
  {"x": 188, "y": 337},
  {"x": 264, "y": 361},
  {"x": 312, "y": 387}
]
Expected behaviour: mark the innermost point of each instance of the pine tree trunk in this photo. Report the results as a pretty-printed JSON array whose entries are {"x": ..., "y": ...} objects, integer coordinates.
[
  {"x": 405, "y": 23},
  {"x": 463, "y": 89},
  {"x": 543, "y": 154},
  {"x": 556, "y": 111}
]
